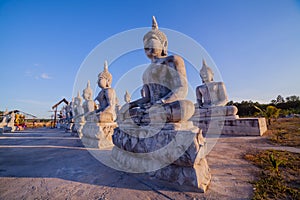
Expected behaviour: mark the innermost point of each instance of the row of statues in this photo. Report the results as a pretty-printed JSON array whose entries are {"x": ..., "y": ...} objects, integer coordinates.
[
  {"x": 8, "y": 122},
  {"x": 162, "y": 104},
  {"x": 156, "y": 91}
]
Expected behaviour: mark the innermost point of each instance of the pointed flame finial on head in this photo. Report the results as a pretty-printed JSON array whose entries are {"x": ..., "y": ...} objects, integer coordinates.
[
  {"x": 127, "y": 97},
  {"x": 206, "y": 72},
  {"x": 88, "y": 84},
  {"x": 105, "y": 66},
  {"x": 78, "y": 94},
  {"x": 204, "y": 62},
  {"x": 154, "y": 23}
]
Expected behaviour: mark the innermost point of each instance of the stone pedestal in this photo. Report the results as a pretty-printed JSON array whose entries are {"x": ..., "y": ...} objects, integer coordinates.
[
  {"x": 172, "y": 152},
  {"x": 7, "y": 129},
  {"x": 78, "y": 126},
  {"x": 229, "y": 125},
  {"x": 97, "y": 135}
]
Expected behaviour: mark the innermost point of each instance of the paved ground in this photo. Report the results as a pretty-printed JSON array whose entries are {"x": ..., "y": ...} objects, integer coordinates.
[{"x": 50, "y": 164}]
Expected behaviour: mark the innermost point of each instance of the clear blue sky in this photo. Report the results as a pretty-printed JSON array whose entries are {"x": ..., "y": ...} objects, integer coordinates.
[{"x": 255, "y": 44}]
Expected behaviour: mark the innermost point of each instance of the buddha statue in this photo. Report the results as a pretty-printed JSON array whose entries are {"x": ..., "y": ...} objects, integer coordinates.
[
  {"x": 100, "y": 123},
  {"x": 88, "y": 105},
  {"x": 127, "y": 97},
  {"x": 77, "y": 105},
  {"x": 211, "y": 96},
  {"x": 106, "y": 111},
  {"x": 165, "y": 83}
]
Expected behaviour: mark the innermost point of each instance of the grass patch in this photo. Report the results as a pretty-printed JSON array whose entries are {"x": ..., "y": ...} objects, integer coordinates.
[
  {"x": 285, "y": 132},
  {"x": 279, "y": 175}
]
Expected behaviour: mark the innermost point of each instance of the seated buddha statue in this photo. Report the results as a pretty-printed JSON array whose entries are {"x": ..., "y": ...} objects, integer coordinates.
[
  {"x": 211, "y": 96},
  {"x": 77, "y": 105},
  {"x": 164, "y": 82},
  {"x": 88, "y": 105},
  {"x": 107, "y": 98}
]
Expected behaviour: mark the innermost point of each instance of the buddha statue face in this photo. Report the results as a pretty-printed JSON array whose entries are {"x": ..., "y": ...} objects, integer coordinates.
[
  {"x": 102, "y": 82},
  {"x": 87, "y": 94},
  {"x": 206, "y": 77},
  {"x": 206, "y": 73},
  {"x": 155, "y": 42},
  {"x": 105, "y": 78},
  {"x": 77, "y": 101},
  {"x": 153, "y": 47}
]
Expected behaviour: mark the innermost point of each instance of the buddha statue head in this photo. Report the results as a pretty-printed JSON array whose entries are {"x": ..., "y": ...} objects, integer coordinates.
[
  {"x": 77, "y": 100},
  {"x": 88, "y": 92},
  {"x": 155, "y": 42},
  {"x": 206, "y": 73},
  {"x": 127, "y": 97},
  {"x": 105, "y": 78}
]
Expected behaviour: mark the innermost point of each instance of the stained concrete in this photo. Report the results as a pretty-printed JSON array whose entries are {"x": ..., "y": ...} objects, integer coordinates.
[{"x": 50, "y": 164}]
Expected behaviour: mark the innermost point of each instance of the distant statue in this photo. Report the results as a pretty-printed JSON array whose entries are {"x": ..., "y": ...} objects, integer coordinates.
[
  {"x": 165, "y": 83},
  {"x": 5, "y": 118},
  {"x": 11, "y": 121},
  {"x": 212, "y": 96},
  {"x": 77, "y": 105},
  {"x": 88, "y": 105},
  {"x": 127, "y": 97},
  {"x": 107, "y": 98}
]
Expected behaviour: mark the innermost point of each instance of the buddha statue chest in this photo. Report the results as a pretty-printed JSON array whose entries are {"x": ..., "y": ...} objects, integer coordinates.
[
  {"x": 161, "y": 79},
  {"x": 102, "y": 100}
]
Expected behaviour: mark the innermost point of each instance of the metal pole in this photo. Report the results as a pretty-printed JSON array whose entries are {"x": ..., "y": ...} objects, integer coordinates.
[{"x": 54, "y": 121}]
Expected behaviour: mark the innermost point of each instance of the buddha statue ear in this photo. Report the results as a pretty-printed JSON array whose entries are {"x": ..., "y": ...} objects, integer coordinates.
[
  {"x": 107, "y": 83},
  {"x": 164, "y": 51}
]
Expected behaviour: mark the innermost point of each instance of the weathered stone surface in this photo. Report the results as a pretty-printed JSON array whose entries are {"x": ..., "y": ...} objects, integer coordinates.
[
  {"x": 98, "y": 135},
  {"x": 181, "y": 147},
  {"x": 198, "y": 176},
  {"x": 237, "y": 127}
]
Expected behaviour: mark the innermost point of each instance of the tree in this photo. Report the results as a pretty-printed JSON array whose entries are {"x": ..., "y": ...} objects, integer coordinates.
[
  {"x": 292, "y": 98},
  {"x": 273, "y": 101},
  {"x": 271, "y": 112},
  {"x": 279, "y": 99}
]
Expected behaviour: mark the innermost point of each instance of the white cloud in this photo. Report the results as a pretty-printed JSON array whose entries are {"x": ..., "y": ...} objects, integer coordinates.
[{"x": 45, "y": 76}]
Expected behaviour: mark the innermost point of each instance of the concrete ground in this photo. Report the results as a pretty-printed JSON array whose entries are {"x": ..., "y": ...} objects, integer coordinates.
[{"x": 50, "y": 164}]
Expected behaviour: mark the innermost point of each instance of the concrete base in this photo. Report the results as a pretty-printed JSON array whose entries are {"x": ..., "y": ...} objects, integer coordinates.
[
  {"x": 7, "y": 129},
  {"x": 77, "y": 129},
  {"x": 237, "y": 127},
  {"x": 174, "y": 154},
  {"x": 98, "y": 135}
]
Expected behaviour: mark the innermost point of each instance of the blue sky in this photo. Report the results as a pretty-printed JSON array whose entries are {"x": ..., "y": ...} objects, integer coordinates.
[{"x": 255, "y": 45}]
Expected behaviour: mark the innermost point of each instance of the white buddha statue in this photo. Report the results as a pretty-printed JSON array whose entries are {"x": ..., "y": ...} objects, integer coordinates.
[{"x": 212, "y": 96}]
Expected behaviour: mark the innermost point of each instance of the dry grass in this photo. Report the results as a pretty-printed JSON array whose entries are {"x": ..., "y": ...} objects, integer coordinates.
[
  {"x": 285, "y": 132},
  {"x": 279, "y": 177}
]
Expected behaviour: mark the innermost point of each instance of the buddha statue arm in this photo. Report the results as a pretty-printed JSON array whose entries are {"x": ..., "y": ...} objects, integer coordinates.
[
  {"x": 222, "y": 95},
  {"x": 199, "y": 96},
  {"x": 110, "y": 98},
  {"x": 145, "y": 98},
  {"x": 180, "y": 90}
]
